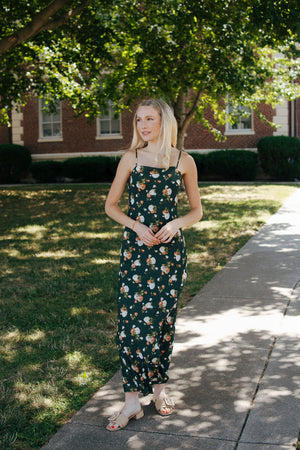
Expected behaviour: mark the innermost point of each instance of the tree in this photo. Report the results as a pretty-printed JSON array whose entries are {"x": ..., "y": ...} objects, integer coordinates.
[
  {"x": 196, "y": 52},
  {"x": 193, "y": 53},
  {"x": 41, "y": 48},
  {"x": 45, "y": 19}
]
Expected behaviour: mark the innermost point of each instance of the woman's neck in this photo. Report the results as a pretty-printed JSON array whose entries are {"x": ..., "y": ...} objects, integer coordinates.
[{"x": 153, "y": 147}]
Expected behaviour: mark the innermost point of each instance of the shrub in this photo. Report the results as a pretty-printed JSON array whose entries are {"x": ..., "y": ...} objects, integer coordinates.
[
  {"x": 280, "y": 157},
  {"x": 15, "y": 161},
  {"x": 91, "y": 168},
  {"x": 46, "y": 171},
  {"x": 232, "y": 164},
  {"x": 200, "y": 163}
]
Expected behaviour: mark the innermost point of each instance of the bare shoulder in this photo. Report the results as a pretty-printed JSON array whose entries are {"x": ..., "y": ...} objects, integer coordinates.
[
  {"x": 127, "y": 161},
  {"x": 186, "y": 163}
]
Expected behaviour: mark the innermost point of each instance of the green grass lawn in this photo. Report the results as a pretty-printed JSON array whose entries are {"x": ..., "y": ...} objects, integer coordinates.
[{"x": 59, "y": 257}]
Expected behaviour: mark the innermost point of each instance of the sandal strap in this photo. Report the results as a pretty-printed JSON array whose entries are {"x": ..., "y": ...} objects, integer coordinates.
[
  {"x": 119, "y": 419},
  {"x": 114, "y": 416},
  {"x": 165, "y": 402},
  {"x": 169, "y": 402}
]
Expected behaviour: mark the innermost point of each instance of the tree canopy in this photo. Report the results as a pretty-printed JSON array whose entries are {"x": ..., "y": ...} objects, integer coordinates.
[
  {"x": 50, "y": 49},
  {"x": 196, "y": 52},
  {"x": 193, "y": 53}
]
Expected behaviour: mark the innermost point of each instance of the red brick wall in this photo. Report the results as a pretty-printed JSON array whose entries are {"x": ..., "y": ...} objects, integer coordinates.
[
  {"x": 78, "y": 134},
  {"x": 4, "y": 135},
  {"x": 199, "y": 137}
]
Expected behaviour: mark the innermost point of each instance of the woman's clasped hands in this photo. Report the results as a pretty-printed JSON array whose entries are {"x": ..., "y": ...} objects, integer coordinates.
[{"x": 164, "y": 235}]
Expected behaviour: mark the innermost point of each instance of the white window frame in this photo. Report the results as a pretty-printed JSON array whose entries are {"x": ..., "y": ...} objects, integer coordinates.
[
  {"x": 43, "y": 138},
  {"x": 239, "y": 131},
  {"x": 101, "y": 136}
]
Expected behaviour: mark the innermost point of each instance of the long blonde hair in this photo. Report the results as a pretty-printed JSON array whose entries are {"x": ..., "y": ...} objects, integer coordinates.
[{"x": 168, "y": 130}]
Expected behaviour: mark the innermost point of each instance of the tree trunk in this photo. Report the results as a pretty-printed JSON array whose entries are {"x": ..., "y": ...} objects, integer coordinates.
[
  {"x": 179, "y": 115},
  {"x": 180, "y": 139},
  {"x": 10, "y": 126},
  {"x": 184, "y": 117}
]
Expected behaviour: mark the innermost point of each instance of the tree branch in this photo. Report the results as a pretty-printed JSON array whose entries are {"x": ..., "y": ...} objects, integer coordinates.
[
  {"x": 179, "y": 108},
  {"x": 185, "y": 119},
  {"x": 65, "y": 17},
  {"x": 190, "y": 114},
  {"x": 40, "y": 22}
]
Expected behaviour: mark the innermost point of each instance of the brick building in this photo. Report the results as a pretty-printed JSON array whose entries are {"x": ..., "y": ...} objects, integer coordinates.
[{"x": 61, "y": 135}]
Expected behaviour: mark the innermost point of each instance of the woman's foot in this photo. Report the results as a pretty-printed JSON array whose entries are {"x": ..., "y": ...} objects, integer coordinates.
[
  {"x": 163, "y": 404},
  {"x": 120, "y": 420},
  {"x": 131, "y": 410}
]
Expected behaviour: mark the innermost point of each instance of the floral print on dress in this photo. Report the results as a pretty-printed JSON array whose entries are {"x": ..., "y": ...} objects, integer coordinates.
[{"x": 150, "y": 281}]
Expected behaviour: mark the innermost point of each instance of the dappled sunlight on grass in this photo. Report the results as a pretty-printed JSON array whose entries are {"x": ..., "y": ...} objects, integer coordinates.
[
  {"x": 82, "y": 310},
  {"x": 75, "y": 359},
  {"x": 100, "y": 261},
  {"x": 59, "y": 256},
  {"x": 35, "y": 336},
  {"x": 36, "y": 230},
  {"x": 196, "y": 257},
  {"x": 86, "y": 235}
]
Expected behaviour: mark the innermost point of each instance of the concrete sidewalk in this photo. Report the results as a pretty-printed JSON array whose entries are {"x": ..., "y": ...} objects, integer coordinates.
[{"x": 235, "y": 374}]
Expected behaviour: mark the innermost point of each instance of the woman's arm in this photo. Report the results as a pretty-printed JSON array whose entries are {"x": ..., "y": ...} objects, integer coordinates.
[
  {"x": 190, "y": 177},
  {"x": 112, "y": 208}
]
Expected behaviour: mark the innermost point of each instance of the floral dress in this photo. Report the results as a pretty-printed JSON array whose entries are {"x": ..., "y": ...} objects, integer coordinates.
[{"x": 150, "y": 280}]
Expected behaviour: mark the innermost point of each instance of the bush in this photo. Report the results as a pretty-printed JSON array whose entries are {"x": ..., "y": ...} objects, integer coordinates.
[
  {"x": 46, "y": 171},
  {"x": 280, "y": 157},
  {"x": 200, "y": 163},
  {"x": 232, "y": 164},
  {"x": 15, "y": 161},
  {"x": 90, "y": 169}
]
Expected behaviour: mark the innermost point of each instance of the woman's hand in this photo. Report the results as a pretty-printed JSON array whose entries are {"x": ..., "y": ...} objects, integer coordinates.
[
  {"x": 146, "y": 234},
  {"x": 168, "y": 231}
]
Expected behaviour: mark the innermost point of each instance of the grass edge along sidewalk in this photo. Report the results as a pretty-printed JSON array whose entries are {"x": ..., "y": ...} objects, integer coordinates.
[{"x": 59, "y": 258}]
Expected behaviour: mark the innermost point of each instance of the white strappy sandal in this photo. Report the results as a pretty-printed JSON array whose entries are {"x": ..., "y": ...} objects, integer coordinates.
[
  {"x": 118, "y": 420},
  {"x": 164, "y": 406}
]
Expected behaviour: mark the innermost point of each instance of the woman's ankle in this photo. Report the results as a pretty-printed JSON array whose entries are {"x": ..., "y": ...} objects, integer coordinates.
[
  {"x": 132, "y": 403},
  {"x": 159, "y": 391}
]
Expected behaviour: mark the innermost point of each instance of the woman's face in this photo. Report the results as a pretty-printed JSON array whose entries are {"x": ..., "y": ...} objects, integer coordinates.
[{"x": 148, "y": 122}]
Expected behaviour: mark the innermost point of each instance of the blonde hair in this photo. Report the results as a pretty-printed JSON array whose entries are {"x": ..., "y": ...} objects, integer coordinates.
[{"x": 168, "y": 129}]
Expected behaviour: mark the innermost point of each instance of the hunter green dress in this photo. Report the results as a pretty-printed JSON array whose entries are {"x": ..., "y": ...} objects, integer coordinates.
[{"x": 150, "y": 280}]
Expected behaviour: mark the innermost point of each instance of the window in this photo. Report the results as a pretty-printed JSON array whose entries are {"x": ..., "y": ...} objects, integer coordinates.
[
  {"x": 50, "y": 122},
  {"x": 241, "y": 122},
  {"x": 109, "y": 123}
]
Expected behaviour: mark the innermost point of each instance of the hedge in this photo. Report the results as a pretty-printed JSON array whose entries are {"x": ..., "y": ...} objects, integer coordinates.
[
  {"x": 233, "y": 165},
  {"x": 225, "y": 164},
  {"x": 47, "y": 171},
  {"x": 90, "y": 169},
  {"x": 83, "y": 169},
  {"x": 280, "y": 157},
  {"x": 15, "y": 161},
  {"x": 200, "y": 163}
]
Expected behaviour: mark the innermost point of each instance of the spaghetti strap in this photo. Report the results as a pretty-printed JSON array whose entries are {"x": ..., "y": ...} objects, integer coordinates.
[
  {"x": 136, "y": 157},
  {"x": 178, "y": 158}
]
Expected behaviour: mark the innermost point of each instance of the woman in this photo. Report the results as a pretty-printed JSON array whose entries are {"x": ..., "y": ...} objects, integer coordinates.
[{"x": 153, "y": 257}]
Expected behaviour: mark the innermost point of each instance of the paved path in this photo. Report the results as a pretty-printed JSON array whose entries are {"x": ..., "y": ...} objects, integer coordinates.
[{"x": 235, "y": 375}]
